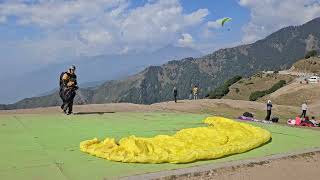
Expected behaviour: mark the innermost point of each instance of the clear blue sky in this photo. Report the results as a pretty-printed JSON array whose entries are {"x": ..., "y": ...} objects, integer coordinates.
[{"x": 35, "y": 33}]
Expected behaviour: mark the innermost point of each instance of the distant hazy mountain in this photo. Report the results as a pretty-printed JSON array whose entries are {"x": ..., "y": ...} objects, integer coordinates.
[
  {"x": 154, "y": 84},
  {"x": 89, "y": 69},
  {"x": 83, "y": 85}
]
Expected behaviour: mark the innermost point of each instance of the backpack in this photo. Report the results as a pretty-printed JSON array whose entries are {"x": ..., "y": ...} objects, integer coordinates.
[
  {"x": 247, "y": 114},
  {"x": 275, "y": 119}
]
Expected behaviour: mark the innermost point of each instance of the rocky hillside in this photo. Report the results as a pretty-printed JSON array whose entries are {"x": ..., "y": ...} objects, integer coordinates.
[{"x": 277, "y": 51}]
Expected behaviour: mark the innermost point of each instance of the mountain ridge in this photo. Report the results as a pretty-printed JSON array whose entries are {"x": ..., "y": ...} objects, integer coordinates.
[
  {"x": 89, "y": 69},
  {"x": 154, "y": 84}
]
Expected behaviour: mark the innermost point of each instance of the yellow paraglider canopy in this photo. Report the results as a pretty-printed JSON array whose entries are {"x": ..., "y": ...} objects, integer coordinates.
[{"x": 220, "y": 138}]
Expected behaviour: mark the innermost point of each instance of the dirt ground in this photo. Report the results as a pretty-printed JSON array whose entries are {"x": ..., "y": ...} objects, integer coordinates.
[
  {"x": 181, "y": 106},
  {"x": 221, "y": 107},
  {"x": 296, "y": 167}
]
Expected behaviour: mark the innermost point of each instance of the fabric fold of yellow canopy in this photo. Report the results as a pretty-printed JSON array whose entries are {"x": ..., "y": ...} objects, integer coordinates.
[{"x": 222, "y": 137}]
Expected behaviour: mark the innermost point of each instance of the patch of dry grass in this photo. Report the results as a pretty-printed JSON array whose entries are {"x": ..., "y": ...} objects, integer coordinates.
[
  {"x": 311, "y": 65},
  {"x": 295, "y": 95},
  {"x": 243, "y": 89}
]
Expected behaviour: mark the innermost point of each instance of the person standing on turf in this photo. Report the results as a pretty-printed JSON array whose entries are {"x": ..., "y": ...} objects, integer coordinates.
[
  {"x": 269, "y": 109},
  {"x": 304, "y": 109},
  {"x": 175, "y": 94},
  {"x": 68, "y": 87}
]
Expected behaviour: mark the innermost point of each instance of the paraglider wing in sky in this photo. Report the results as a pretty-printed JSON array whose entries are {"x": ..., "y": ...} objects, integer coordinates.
[{"x": 225, "y": 20}]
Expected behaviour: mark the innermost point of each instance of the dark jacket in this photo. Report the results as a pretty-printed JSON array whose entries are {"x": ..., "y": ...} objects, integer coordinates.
[
  {"x": 269, "y": 106},
  {"x": 175, "y": 92}
]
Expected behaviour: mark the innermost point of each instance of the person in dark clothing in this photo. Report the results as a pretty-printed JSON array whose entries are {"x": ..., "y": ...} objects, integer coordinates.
[
  {"x": 175, "y": 94},
  {"x": 269, "y": 109},
  {"x": 61, "y": 94},
  {"x": 69, "y": 95},
  {"x": 68, "y": 87}
]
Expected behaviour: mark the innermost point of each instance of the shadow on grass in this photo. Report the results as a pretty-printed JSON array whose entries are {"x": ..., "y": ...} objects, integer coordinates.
[{"x": 88, "y": 113}]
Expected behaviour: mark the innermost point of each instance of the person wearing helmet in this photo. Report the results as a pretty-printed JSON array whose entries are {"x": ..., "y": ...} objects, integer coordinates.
[
  {"x": 269, "y": 109},
  {"x": 68, "y": 87}
]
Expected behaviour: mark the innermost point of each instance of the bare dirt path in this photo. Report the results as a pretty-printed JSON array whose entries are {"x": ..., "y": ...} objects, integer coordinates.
[
  {"x": 291, "y": 168},
  {"x": 197, "y": 106}
]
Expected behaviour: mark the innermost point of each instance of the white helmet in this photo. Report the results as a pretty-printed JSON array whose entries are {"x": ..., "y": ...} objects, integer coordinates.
[{"x": 73, "y": 67}]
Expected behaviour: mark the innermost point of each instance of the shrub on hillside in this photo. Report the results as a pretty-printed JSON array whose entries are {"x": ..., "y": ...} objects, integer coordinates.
[
  {"x": 258, "y": 94},
  {"x": 310, "y": 54},
  {"x": 222, "y": 90},
  {"x": 258, "y": 74}
]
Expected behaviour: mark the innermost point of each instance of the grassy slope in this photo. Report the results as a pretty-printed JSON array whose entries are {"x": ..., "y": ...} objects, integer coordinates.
[
  {"x": 47, "y": 146},
  {"x": 255, "y": 83},
  {"x": 295, "y": 94},
  {"x": 311, "y": 65}
]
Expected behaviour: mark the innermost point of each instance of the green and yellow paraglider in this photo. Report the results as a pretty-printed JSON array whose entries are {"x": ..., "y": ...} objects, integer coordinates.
[{"x": 225, "y": 20}]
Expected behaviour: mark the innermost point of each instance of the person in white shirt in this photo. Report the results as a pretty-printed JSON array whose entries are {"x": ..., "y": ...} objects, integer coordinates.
[
  {"x": 314, "y": 121},
  {"x": 304, "y": 109}
]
